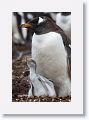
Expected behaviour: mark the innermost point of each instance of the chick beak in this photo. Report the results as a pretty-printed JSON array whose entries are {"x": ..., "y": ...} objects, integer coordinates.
[{"x": 27, "y": 25}]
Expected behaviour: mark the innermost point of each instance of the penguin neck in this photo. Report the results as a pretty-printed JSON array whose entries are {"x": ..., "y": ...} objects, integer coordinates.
[
  {"x": 32, "y": 72},
  {"x": 45, "y": 27},
  {"x": 52, "y": 28}
]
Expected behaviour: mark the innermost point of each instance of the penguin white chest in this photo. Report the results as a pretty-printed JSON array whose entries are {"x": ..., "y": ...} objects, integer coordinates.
[{"x": 49, "y": 53}]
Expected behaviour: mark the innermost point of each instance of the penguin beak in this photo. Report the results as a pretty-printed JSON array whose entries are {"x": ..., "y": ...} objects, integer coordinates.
[
  {"x": 32, "y": 24},
  {"x": 27, "y": 25}
]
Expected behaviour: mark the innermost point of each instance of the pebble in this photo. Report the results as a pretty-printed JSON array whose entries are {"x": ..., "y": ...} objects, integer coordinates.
[{"x": 25, "y": 98}]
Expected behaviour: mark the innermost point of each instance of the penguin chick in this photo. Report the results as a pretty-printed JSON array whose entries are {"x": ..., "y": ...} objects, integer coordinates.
[
  {"x": 49, "y": 43},
  {"x": 48, "y": 84},
  {"x": 38, "y": 89},
  {"x": 30, "y": 90},
  {"x": 42, "y": 86}
]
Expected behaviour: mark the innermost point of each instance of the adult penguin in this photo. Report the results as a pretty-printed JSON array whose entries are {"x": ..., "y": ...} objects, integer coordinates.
[{"x": 51, "y": 51}]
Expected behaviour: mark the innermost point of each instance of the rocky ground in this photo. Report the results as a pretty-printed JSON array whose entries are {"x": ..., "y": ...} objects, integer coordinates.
[{"x": 21, "y": 84}]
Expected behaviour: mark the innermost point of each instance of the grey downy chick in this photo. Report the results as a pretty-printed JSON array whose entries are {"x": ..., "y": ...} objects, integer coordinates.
[{"x": 42, "y": 86}]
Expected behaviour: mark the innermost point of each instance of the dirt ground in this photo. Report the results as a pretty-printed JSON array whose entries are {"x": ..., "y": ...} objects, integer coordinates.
[{"x": 20, "y": 82}]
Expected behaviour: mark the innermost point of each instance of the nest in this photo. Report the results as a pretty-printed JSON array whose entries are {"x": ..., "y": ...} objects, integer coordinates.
[
  {"x": 24, "y": 98},
  {"x": 21, "y": 84}
]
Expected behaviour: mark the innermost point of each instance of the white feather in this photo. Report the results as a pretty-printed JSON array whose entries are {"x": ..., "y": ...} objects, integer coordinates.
[
  {"x": 40, "y": 20},
  {"x": 49, "y": 53},
  {"x": 48, "y": 86}
]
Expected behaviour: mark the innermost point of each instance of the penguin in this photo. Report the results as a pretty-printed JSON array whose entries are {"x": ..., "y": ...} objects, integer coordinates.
[
  {"x": 23, "y": 31},
  {"x": 41, "y": 85},
  {"x": 17, "y": 35},
  {"x": 38, "y": 89},
  {"x": 63, "y": 20},
  {"x": 30, "y": 92},
  {"x": 50, "y": 50}
]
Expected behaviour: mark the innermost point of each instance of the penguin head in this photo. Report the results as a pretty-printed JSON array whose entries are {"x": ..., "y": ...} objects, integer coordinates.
[
  {"x": 32, "y": 64},
  {"x": 39, "y": 24},
  {"x": 31, "y": 24},
  {"x": 65, "y": 13}
]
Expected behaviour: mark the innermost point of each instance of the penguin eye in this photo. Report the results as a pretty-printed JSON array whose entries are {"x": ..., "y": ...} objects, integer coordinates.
[{"x": 35, "y": 20}]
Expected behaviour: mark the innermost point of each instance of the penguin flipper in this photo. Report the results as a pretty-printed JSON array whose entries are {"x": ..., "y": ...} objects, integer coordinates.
[
  {"x": 68, "y": 49},
  {"x": 48, "y": 85},
  {"x": 69, "y": 65}
]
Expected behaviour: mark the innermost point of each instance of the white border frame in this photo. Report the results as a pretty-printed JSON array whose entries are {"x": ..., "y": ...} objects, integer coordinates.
[{"x": 76, "y": 104}]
